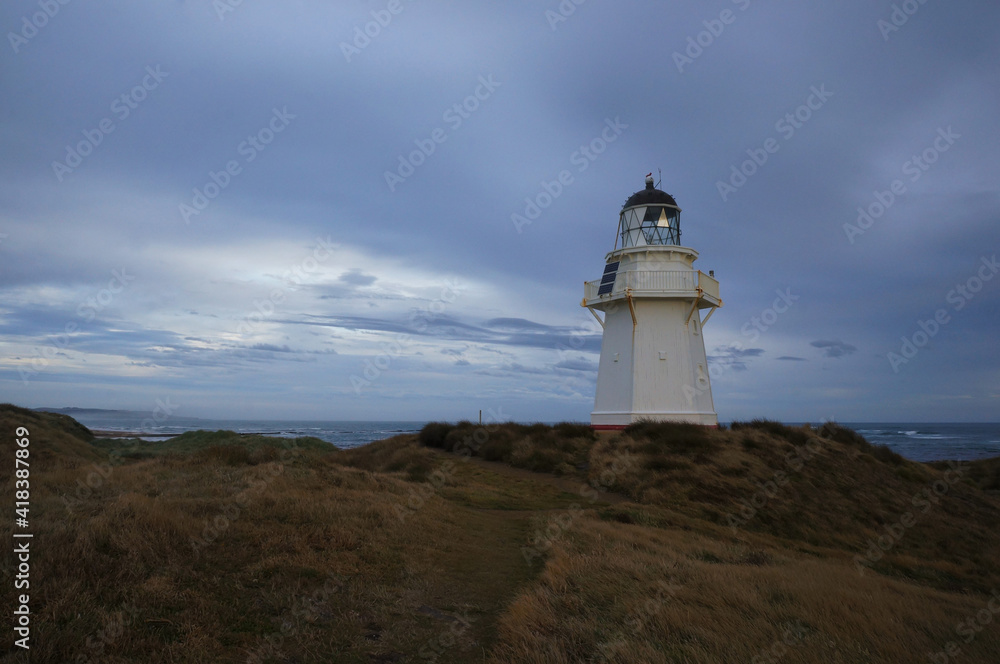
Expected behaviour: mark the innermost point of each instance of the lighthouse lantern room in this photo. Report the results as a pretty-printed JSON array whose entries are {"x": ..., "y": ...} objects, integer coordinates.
[{"x": 653, "y": 364}]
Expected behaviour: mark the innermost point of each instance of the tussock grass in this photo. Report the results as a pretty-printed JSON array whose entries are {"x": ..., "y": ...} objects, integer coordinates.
[
  {"x": 194, "y": 442},
  {"x": 985, "y": 473},
  {"x": 834, "y": 431},
  {"x": 226, "y": 548},
  {"x": 826, "y": 487},
  {"x": 67, "y": 441},
  {"x": 624, "y": 594},
  {"x": 793, "y": 435},
  {"x": 538, "y": 447}
]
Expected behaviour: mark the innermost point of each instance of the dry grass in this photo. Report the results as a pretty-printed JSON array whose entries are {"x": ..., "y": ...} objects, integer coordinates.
[
  {"x": 225, "y": 548},
  {"x": 628, "y": 594}
]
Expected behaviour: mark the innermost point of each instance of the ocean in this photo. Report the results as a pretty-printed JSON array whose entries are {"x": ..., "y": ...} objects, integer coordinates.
[
  {"x": 934, "y": 442},
  {"x": 919, "y": 442},
  {"x": 342, "y": 434}
]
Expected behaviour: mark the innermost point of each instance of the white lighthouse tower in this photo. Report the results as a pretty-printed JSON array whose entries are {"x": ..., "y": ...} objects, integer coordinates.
[{"x": 653, "y": 364}]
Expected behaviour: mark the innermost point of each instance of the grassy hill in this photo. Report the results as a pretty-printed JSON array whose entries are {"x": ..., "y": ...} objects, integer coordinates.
[{"x": 506, "y": 544}]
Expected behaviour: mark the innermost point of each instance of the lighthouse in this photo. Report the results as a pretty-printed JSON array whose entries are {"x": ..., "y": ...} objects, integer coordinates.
[{"x": 653, "y": 363}]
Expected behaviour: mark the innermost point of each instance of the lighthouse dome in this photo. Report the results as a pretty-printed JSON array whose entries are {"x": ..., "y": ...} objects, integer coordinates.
[
  {"x": 650, "y": 217},
  {"x": 650, "y": 196}
]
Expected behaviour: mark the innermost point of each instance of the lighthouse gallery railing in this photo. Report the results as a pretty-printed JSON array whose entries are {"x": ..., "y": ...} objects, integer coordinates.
[{"x": 656, "y": 282}]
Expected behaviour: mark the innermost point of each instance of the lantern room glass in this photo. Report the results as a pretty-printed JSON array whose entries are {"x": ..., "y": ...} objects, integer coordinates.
[{"x": 650, "y": 225}]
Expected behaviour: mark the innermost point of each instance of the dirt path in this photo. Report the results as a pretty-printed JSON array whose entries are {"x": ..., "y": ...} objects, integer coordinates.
[
  {"x": 477, "y": 563},
  {"x": 502, "y": 486}
]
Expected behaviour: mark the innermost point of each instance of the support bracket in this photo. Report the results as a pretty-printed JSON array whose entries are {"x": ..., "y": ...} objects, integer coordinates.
[
  {"x": 694, "y": 303},
  {"x": 631, "y": 308}
]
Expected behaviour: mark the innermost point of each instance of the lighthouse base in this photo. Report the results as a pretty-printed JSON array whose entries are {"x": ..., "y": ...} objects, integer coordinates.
[{"x": 621, "y": 419}]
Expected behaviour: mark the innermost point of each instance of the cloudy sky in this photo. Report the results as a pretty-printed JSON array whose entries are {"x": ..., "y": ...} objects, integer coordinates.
[{"x": 328, "y": 210}]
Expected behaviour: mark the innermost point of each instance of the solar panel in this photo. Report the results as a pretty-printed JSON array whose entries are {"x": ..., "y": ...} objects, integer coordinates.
[{"x": 608, "y": 280}]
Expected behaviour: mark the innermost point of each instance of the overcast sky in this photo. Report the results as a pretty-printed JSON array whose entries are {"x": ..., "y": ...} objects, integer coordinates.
[{"x": 220, "y": 204}]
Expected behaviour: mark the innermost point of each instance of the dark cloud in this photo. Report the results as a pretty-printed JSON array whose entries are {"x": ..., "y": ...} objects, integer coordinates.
[
  {"x": 513, "y": 324},
  {"x": 357, "y": 277},
  {"x": 733, "y": 357},
  {"x": 438, "y": 258},
  {"x": 524, "y": 333},
  {"x": 580, "y": 364},
  {"x": 834, "y": 348},
  {"x": 272, "y": 348}
]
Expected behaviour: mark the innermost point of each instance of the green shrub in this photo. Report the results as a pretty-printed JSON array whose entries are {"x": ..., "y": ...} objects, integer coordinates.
[
  {"x": 230, "y": 455},
  {"x": 434, "y": 434},
  {"x": 883, "y": 453},
  {"x": 834, "y": 431},
  {"x": 663, "y": 463},
  {"x": 793, "y": 435},
  {"x": 497, "y": 449},
  {"x": 679, "y": 437},
  {"x": 574, "y": 430},
  {"x": 886, "y": 455}
]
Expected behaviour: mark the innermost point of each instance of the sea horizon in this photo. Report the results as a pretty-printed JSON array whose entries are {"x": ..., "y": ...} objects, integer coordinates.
[{"x": 917, "y": 441}]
